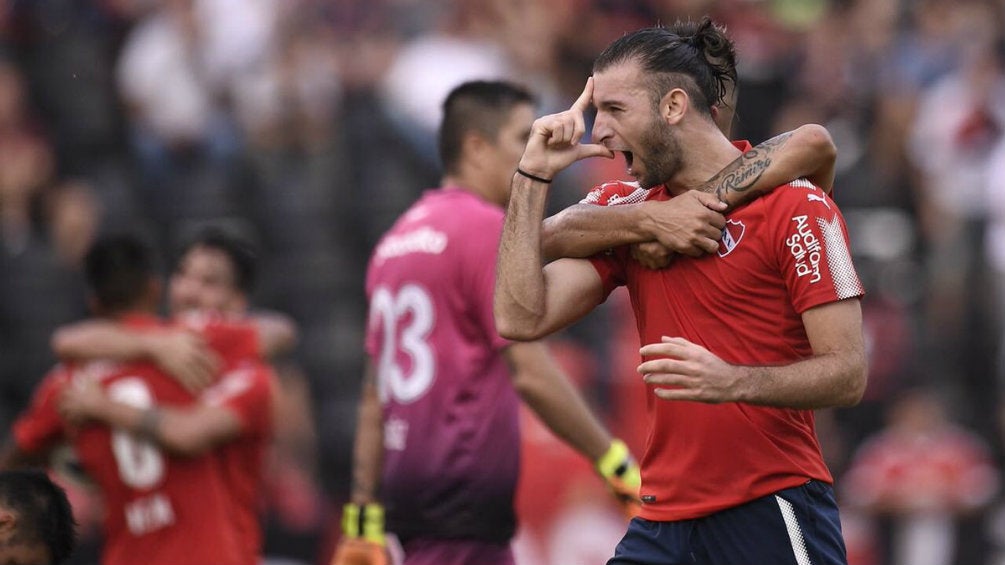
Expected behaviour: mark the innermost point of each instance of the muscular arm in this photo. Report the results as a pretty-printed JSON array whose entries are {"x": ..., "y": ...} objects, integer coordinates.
[
  {"x": 807, "y": 151},
  {"x": 530, "y": 301},
  {"x": 583, "y": 230},
  {"x": 835, "y": 375},
  {"x": 187, "y": 431},
  {"x": 181, "y": 353},
  {"x": 543, "y": 386},
  {"x": 93, "y": 339},
  {"x": 690, "y": 225},
  {"x": 277, "y": 332},
  {"x": 368, "y": 450}
]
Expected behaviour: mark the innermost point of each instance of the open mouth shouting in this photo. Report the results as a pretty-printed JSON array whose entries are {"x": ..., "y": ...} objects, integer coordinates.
[{"x": 629, "y": 159}]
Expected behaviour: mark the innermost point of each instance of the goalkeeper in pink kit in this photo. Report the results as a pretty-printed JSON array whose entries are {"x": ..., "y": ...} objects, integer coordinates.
[{"x": 437, "y": 443}]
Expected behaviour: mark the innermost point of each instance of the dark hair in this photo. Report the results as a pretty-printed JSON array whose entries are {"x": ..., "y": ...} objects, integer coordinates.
[
  {"x": 241, "y": 253},
  {"x": 43, "y": 511},
  {"x": 117, "y": 268},
  {"x": 482, "y": 106},
  {"x": 695, "y": 56}
]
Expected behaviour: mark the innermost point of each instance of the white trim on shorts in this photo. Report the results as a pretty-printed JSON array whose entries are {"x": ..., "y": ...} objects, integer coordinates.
[{"x": 794, "y": 531}]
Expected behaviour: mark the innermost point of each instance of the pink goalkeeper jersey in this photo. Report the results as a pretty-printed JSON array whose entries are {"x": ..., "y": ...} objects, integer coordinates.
[
  {"x": 779, "y": 256},
  {"x": 451, "y": 433}
]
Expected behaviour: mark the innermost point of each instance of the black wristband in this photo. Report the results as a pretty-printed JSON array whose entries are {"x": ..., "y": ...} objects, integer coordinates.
[
  {"x": 149, "y": 425},
  {"x": 532, "y": 177}
]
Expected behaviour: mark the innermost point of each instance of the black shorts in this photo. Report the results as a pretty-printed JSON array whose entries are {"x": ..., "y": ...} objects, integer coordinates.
[{"x": 796, "y": 526}]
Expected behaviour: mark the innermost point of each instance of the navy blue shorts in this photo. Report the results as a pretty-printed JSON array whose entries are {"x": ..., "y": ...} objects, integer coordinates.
[{"x": 796, "y": 526}]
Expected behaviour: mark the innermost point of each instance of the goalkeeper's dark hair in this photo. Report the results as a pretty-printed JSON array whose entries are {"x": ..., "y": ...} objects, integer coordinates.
[
  {"x": 44, "y": 515},
  {"x": 241, "y": 253},
  {"x": 117, "y": 269},
  {"x": 480, "y": 106},
  {"x": 697, "y": 57}
]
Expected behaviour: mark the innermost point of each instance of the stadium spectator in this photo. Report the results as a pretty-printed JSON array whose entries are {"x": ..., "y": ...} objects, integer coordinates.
[
  {"x": 960, "y": 120},
  {"x": 924, "y": 476}
]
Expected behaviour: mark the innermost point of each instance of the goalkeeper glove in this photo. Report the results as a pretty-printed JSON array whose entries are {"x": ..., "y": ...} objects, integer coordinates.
[
  {"x": 362, "y": 536},
  {"x": 621, "y": 472}
]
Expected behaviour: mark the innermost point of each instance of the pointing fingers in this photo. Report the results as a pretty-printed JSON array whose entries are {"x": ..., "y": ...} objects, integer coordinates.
[{"x": 582, "y": 103}]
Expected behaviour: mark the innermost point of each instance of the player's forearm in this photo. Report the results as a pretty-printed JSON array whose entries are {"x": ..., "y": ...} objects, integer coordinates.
[
  {"x": 834, "y": 376},
  {"x": 185, "y": 432},
  {"x": 805, "y": 152},
  {"x": 543, "y": 386},
  {"x": 277, "y": 333},
  {"x": 98, "y": 339},
  {"x": 520, "y": 285},
  {"x": 835, "y": 379},
  {"x": 369, "y": 444},
  {"x": 120, "y": 415},
  {"x": 194, "y": 430},
  {"x": 582, "y": 230}
]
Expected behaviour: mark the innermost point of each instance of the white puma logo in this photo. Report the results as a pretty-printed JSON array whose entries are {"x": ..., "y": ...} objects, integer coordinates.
[{"x": 815, "y": 198}]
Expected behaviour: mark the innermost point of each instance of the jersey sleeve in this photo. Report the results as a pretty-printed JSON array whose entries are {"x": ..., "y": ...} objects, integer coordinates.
[
  {"x": 247, "y": 392},
  {"x": 614, "y": 193},
  {"x": 812, "y": 247},
  {"x": 39, "y": 427},
  {"x": 234, "y": 342},
  {"x": 611, "y": 268}
]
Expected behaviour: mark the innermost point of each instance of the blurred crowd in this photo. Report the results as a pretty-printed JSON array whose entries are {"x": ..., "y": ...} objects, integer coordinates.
[{"x": 308, "y": 125}]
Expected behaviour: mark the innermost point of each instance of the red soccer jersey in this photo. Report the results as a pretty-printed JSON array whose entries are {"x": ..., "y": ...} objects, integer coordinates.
[
  {"x": 236, "y": 342},
  {"x": 166, "y": 510},
  {"x": 247, "y": 392},
  {"x": 779, "y": 256}
]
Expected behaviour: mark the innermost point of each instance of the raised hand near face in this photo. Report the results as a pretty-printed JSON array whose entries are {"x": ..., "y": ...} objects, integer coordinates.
[{"x": 555, "y": 139}]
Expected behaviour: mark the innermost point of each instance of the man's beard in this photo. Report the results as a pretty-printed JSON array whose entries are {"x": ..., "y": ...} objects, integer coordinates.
[{"x": 662, "y": 150}]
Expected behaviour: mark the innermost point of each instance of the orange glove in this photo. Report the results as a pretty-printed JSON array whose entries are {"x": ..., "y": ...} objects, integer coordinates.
[
  {"x": 621, "y": 472},
  {"x": 362, "y": 536},
  {"x": 358, "y": 551}
]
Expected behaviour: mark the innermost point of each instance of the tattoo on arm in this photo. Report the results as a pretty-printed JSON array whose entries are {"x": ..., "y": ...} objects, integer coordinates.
[{"x": 747, "y": 169}]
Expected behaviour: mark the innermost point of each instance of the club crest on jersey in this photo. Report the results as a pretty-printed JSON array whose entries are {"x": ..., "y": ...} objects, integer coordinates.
[{"x": 731, "y": 236}]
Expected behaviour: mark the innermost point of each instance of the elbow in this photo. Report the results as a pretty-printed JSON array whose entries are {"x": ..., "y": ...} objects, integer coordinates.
[
  {"x": 278, "y": 334},
  {"x": 817, "y": 139},
  {"x": 516, "y": 331},
  {"x": 287, "y": 335},
  {"x": 514, "y": 322},
  {"x": 521, "y": 384},
  {"x": 858, "y": 379},
  {"x": 61, "y": 344}
]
